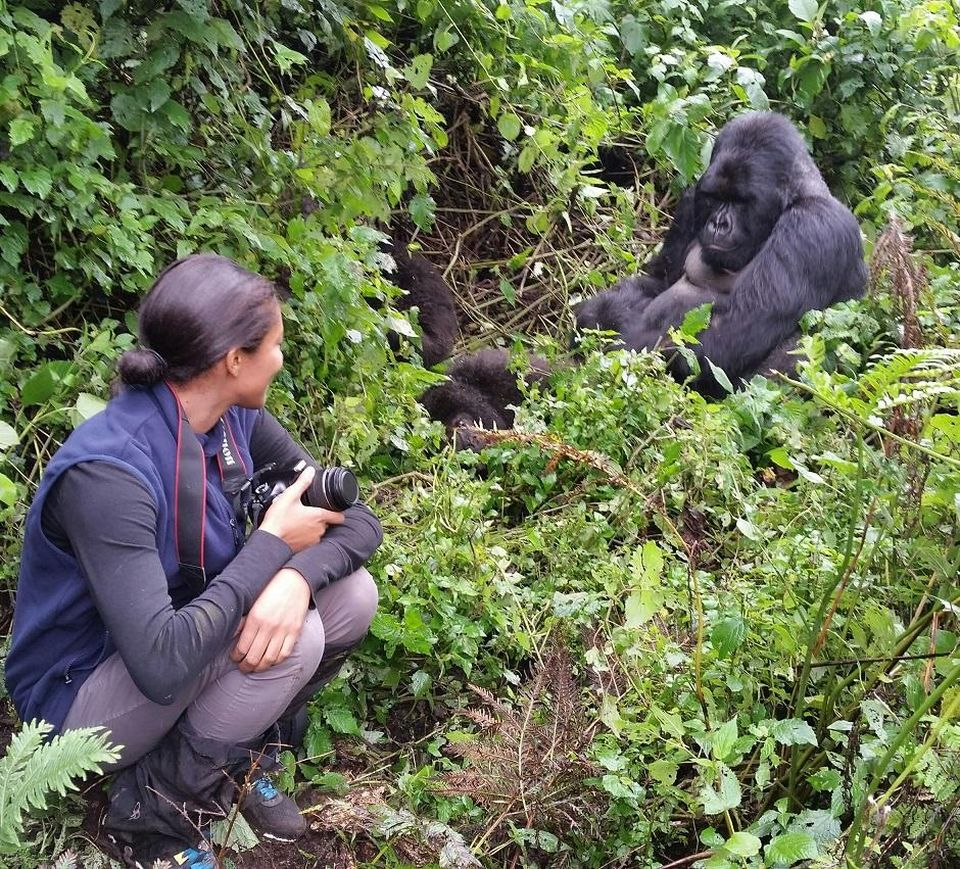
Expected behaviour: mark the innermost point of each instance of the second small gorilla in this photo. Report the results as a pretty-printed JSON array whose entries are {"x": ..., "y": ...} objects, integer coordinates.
[
  {"x": 480, "y": 392},
  {"x": 763, "y": 218}
]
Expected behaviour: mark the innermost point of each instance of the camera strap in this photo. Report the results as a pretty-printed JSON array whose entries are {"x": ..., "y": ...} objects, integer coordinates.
[{"x": 190, "y": 500}]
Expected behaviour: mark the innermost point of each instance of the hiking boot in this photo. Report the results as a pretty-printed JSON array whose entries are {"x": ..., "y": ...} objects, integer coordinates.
[
  {"x": 145, "y": 857},
  {"x": 272, "y": 813}
]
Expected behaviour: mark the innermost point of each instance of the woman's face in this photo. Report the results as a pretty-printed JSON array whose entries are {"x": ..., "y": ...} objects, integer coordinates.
[{"x": 260, "y": 366}]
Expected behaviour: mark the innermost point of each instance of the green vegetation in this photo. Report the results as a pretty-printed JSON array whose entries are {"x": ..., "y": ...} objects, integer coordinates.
[{"x": 716, "y": 632}]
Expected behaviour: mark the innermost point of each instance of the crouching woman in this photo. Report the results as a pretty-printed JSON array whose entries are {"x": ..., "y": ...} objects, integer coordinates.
[{"x": 144, "y": 607}]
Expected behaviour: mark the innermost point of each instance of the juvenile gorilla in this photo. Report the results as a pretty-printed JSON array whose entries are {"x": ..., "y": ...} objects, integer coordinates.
[
  {"x": 769, "y": 231},
  {"x": 480, "y": 392},
  {"x": 426, "y": 290}
]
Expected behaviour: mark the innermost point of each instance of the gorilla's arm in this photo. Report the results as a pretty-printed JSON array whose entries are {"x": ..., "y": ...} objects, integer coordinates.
[
  {"x": 667, "y": 266},
  {"x": 621, "y": 307},
  {"x": 812, "y": 259}
]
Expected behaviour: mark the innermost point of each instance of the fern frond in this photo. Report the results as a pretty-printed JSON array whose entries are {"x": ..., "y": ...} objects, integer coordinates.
[{"x": 31, "y": 769}]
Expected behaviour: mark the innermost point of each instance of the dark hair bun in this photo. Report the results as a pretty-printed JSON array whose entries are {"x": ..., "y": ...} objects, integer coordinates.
[{"x": 141, "y": 367}]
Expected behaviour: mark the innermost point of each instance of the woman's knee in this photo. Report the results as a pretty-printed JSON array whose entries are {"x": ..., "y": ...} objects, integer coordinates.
[{"x": 356, "y": 604}]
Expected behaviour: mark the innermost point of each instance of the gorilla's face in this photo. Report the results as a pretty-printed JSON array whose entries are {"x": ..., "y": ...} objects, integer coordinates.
[{"x": 737, "y": 198}]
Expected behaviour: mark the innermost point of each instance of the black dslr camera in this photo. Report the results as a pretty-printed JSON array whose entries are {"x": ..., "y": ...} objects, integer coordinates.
[{"x": 332, "y": 489}]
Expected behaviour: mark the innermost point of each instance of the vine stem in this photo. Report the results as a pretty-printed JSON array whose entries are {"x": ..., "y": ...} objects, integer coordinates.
[{"x": 686, "y": 861}]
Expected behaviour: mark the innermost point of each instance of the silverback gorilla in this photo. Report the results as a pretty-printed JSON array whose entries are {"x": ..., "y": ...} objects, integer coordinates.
[{"x": 773, "y": 244}]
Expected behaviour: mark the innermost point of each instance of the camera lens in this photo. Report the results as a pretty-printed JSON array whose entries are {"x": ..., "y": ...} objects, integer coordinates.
[{"x": 334, "y": 489}]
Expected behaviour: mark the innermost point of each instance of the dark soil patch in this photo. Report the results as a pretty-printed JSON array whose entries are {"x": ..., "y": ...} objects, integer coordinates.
[{"x": 315, "y": 849}]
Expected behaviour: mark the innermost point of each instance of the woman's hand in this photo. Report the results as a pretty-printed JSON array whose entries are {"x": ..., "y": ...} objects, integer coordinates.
[
  {"x": 296, "y": 524},
  {"x": 272, "y": 627}
]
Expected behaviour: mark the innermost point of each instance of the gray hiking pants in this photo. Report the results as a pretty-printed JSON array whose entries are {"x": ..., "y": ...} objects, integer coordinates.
[{"x": 222, "y": 703}]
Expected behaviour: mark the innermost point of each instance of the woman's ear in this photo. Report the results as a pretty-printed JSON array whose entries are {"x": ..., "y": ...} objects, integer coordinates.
[{"x": 233, "y": 361}]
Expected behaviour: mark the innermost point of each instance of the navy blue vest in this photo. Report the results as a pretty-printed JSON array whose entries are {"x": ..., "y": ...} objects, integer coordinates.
[{"x": 58, "y": 635}]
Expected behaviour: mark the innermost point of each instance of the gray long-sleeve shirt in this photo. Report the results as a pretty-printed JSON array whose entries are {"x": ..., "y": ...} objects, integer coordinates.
[{"x": 107, "y": 519}]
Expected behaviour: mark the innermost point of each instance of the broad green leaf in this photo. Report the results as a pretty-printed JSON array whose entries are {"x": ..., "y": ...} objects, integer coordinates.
[
  {"x": 420, "y": 681},
  {"x": 388, "y": 628},
  {"x": 663, "y": 771},
  {"x": 176, "y": 114},
  {"x": 423, "y": 210},
  {"x": 873, "y": 22},
  {"x": 610, "y": 714},
  {"x": 43, "y": 384},
  {"x": 619, "y": 786},
  {"x": 8, "y": 435},
  {"x": 793, "y": 731},
  {"x": 8, "y": 491},
  {"x": 509, "y": 126},
  {"x": 721, "y": 376},
  {"x": 724, "y": 738},
  {"x": 723, "y": 794},
  {"x": 287, "y": 58},
  {"x": 682, "y": 146},
  {"x": 818, "y": 129},
  {"x": 528, "y": 156},
  {"x": 37, "y": 180},
  {"x": 8, "y": 177},
  {"x": 331, "y": 781},
  {"x": 379, "y": 12},
  {"x": 781, "y": 458},
  {"x": 341, "y": 720},
  {"x": 415, "y": 636},
  {"x": 634, "y": 35},
  {"x": 727, "y": 635},
  {"x": 417, "y": 72},
  {"x": 743, "y": 844},
  {"x": 805, "y": 10},
  {"x": 670, "y": 722},
  {"x": 21, "y": 130},
  {"x": 819, "y": 823},
  {"x": 651, "y": 561},
  {"x": 108, "y": 7},
  {"x": 87, "y": 405},
  {"x": 158, "y": 92},
  {"x": 824, "y": 779},
  {"x": 318, "y": 743},
  {"x": 696, "y": 320},
  {"x": 318, "y": 114},
  {"x": 639, "y": 609},
  {"x": 790, "y": 848},
  {"x": 445, "y": 38},
  {"x": 711, "y": 838},
  {"x": 233, "y": 831}
]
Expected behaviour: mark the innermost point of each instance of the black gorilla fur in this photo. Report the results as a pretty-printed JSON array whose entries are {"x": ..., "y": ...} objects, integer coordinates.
[
  {"x": 765, "y": 220},
  {"x": 479, "y": 392},
  {"x": 426, "y": 290}
]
